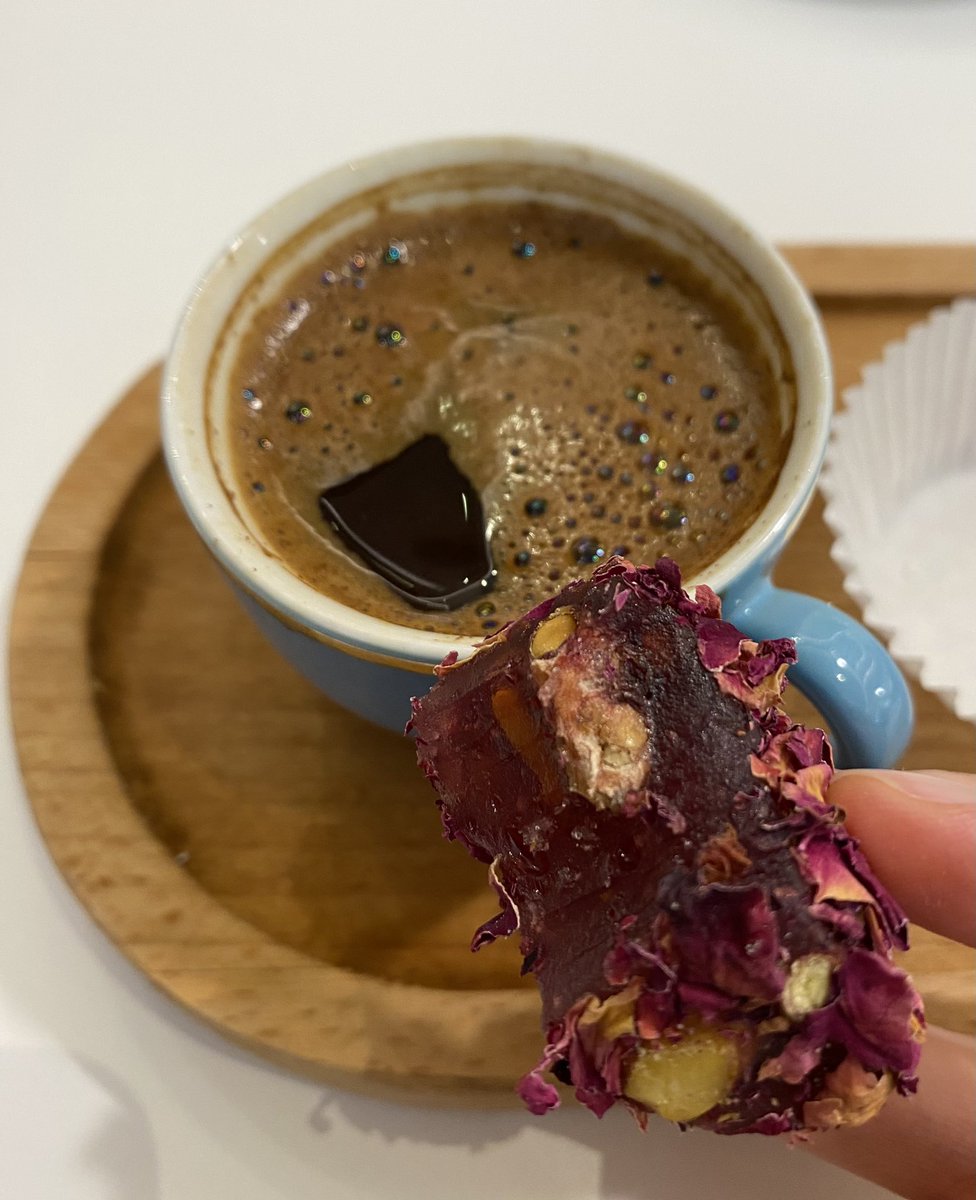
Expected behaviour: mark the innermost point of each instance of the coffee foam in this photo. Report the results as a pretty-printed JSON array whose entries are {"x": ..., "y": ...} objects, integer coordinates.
[{"x": 514, "y": 450}]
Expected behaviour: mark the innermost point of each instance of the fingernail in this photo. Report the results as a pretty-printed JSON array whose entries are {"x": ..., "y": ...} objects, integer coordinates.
[{"x": 945, "y": 787}]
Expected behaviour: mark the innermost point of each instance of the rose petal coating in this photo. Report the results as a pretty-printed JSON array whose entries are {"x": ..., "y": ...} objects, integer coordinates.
[{"x": 708, "y": 939}]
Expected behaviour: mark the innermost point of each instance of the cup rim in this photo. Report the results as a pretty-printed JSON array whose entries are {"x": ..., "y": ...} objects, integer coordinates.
[{"x": 183, "y": 395}]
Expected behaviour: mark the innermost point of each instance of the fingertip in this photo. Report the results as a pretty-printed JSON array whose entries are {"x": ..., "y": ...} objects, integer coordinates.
[
  {"x": 918, "y": 831},
  {"x": 925, "y": 787}
]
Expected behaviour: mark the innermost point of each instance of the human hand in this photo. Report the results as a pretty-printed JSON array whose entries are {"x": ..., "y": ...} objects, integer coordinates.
[{"x": 918, "y": 830}]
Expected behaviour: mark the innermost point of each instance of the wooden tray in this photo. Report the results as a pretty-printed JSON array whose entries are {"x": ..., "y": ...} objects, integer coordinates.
[{"x": 273, "y": 863}]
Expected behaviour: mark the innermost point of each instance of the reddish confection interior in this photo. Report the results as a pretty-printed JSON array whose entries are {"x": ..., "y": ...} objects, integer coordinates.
[{"x": 659, "y": 839}]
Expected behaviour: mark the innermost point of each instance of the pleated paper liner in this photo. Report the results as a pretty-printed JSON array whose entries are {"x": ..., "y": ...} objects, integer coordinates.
[{"x": 900, "y": 480}]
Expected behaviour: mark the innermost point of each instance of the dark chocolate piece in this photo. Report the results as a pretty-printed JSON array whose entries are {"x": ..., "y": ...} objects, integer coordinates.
[
  {"x": 417, "y": 521},
  {"x": 709, "y": 942}
]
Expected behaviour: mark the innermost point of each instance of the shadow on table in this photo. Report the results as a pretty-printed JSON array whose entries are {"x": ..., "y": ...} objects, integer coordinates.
[
  {"x": 662, "y": 1162},
  {"x": 72, "y": 1130}
]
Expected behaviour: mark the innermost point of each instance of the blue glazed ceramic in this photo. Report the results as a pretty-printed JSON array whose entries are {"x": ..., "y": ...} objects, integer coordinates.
[
  {"x": 373, "y": 667},
  {"x": 841, "y": 668}
]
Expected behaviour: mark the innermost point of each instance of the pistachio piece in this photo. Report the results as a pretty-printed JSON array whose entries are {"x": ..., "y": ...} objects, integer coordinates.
[
  {"x": 604, "y": 744},
  {"x": 682, "y": 1080},
  {"x": 602, "y": 740},
  {"x": 808, "y": 985},
  {"x": 552, "y": 632}
]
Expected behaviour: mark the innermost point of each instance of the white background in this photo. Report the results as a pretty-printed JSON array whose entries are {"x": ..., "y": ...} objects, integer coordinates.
[{"x": 134, "y": 139}]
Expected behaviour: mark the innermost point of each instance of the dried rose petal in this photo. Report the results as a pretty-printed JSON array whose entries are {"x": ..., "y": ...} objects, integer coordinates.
[
  {"x": 708, "y": 940},
  {"x": 877, "y": 1015}
]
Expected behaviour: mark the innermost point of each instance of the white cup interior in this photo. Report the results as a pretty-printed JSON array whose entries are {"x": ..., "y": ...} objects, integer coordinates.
[{"x": 302, "y": 225}]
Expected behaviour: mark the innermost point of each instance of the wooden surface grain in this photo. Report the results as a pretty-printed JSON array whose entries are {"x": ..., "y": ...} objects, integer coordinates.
[
  {"x": 910, "y": 274},
  {"x": 274, "y": 863}
]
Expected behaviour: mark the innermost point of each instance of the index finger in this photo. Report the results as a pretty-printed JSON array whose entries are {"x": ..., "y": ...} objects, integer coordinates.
[{"x": 918, "y": 830}]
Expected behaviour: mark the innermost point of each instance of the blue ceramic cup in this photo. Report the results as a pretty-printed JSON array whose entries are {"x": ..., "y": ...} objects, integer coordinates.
[{"x": 373, "y": 667}]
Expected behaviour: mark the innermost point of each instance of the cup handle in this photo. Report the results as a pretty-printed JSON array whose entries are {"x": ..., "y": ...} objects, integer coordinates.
[{"x": 841, "y": 668}]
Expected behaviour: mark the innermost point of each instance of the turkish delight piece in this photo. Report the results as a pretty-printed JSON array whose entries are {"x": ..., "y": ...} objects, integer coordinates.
[{"x": 709, "y": 942}]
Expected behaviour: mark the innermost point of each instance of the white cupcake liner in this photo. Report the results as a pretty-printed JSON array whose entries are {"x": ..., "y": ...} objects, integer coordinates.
[{"x": 900, "y": 486}]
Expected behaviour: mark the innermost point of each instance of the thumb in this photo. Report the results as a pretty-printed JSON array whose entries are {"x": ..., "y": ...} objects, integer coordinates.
[{"x": 918, "y": 830}]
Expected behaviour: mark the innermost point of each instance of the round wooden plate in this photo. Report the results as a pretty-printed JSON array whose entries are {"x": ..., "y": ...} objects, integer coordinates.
[{"x": 268, "y": 860}]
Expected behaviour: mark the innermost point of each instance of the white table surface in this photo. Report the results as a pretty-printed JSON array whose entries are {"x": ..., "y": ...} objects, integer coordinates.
[{"x": 134, "y": 139}]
